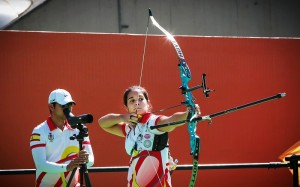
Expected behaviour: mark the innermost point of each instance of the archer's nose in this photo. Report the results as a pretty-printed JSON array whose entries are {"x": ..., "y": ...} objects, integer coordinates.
[{"x": 136, "y": 103}]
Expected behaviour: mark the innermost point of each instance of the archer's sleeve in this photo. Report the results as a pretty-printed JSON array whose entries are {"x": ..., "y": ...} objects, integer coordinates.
[
  {"x": 152, "y": 122},
  {"x": 125, "y": 129},
  {"x": 38, "y": 150},
  {"x": 130, "y": 139}
]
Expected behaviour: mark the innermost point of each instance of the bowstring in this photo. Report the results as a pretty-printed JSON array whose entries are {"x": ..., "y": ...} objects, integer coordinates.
[
  {"x": 144, "y": 52},
  {"x": 140, "y": 84},
  {"x": 142, "y": 69}
]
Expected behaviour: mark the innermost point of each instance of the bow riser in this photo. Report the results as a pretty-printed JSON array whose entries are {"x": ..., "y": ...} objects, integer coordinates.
[{"x": 185, "y": 72}]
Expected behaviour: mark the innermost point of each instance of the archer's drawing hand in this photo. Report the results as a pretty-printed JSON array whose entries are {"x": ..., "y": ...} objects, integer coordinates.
[{"x": 131, "y": 119}]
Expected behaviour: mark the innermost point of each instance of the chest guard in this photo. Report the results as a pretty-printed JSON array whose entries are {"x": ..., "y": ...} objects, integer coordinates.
[{"x": 160, "y": 142}]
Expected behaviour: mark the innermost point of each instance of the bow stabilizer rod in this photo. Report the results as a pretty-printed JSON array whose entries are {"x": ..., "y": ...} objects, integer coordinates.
[{"x": 234, "y": 109}]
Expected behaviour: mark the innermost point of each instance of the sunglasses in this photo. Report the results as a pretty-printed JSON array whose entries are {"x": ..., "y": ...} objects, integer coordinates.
[{"x": 68, "y": 105}]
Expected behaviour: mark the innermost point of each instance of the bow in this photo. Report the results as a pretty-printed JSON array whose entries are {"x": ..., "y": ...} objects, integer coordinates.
[{"x": 185, "y": 75}]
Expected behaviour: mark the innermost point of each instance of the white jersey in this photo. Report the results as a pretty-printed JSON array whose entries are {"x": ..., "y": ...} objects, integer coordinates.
[
  {"x": 141, "y": 137},
  {"x": 148, "y": 166},
  {"x": 52, "y": 151}
]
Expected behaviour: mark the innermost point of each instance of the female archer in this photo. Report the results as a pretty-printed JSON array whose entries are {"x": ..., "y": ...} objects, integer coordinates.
[{"x": 150, "y": 162}]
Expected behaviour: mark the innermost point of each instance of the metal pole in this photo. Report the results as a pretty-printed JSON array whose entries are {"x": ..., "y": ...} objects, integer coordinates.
[{"x": 294, "y": 165}]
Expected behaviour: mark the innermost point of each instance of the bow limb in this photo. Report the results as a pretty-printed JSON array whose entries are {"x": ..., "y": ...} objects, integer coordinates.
[{"x": 185, "y": 75}]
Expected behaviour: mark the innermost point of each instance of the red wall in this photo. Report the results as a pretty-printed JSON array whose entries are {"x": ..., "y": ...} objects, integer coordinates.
[{"x": 97, "y": 68}]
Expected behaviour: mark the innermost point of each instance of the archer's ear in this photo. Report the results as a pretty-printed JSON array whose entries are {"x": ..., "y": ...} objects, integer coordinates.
[
  {"x": 149, "y": 105},
  {"x": 51, "y": 107}
]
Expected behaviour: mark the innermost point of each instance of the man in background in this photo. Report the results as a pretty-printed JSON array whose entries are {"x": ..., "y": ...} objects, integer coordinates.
[{"x": 55, "y": 155}]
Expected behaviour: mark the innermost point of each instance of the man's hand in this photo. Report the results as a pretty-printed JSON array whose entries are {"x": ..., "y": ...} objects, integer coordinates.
[{"x": 83, "y": 158}]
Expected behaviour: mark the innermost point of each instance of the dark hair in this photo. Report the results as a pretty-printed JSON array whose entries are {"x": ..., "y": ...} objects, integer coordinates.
[{"x": 143, "y": 90}]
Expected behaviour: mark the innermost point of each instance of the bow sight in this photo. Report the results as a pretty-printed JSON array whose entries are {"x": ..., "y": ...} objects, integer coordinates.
[{"x": 206, "y": 90}]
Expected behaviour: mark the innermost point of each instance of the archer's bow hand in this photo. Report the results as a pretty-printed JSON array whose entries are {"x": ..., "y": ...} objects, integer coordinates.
[{"x": 195, "y": 111}]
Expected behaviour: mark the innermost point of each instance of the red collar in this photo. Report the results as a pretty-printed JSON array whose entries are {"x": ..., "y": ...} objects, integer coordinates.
[
  {"x": 145, "y": 117},
  {"x": 52, "y": 126}
]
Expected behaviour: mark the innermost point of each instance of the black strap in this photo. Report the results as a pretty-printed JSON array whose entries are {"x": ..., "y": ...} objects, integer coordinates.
[{"x": 160, "y": 142}]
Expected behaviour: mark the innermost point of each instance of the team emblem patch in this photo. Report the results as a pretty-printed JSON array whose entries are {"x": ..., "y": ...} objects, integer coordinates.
[
  {"x": 50, "y": 137},
  {"x": 147, "y": 143},
  {"x": 147, "y": 136}
]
